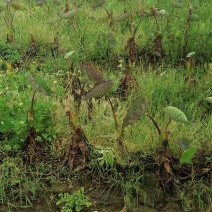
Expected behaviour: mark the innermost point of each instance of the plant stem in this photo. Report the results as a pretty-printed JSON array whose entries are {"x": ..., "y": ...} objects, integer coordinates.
[
  {"x": 156, "y": 125},
  {"x": 114, "y": 115}
]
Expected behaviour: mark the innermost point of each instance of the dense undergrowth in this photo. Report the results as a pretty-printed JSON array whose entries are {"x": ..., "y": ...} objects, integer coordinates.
[{"x": 117, "y": 89}]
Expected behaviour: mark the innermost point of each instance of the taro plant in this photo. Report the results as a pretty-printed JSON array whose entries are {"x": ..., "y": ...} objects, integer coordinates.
[
  {"x": 40, "y": 86},
  {"x": 9, "y": 16}
]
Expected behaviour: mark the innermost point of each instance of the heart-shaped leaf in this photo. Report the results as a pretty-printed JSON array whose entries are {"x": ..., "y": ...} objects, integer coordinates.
[
  {"x": 92, "y": 72},
  {"x": 68, "y": 15},
  {"x": 123, "y": 17},
  {"x": 39, "y": 84},
  {"x": 98, "y": 4},
  {"x": 183, "y": 143},
  {"x": 176, "y": 5},
  {"x": 191, "y": 54},
  {"x": 69, "y": 54},
  {"x": 209, "y": 99},
  {"x": 176, "y": 114},
  {"x": 134, "y": 112},
  {"x": 187, "y": 156},
  {"x": 194, "y": 17},
  {"x": 99, "y": 90}
]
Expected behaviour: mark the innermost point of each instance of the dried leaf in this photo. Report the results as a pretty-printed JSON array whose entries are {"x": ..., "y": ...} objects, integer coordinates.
[{"x": 167, "y": 166}]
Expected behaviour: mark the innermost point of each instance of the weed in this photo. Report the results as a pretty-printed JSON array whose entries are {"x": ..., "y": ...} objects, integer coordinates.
[{"x": 76, "y": 201}]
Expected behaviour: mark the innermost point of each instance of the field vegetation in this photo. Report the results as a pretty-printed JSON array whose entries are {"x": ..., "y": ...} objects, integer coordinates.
[{"x": 105, "y": 105}]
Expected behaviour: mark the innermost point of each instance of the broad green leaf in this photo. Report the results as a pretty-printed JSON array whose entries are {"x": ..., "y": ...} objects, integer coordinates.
[
  {"x": 68, "y": 15},
  {"x": 176, "y": 5},
  {"x": 69, "y": 54},
  {"x": 17, "y": 5},
  {"x": 99, "y": 90},
  {"x": 92, "y": 72},
  {"x": 209, "y": 99},
  {"x": 191, "y": 54},
  {"x": 194, "y": 17},
  {"x": 134, "y": 112},
  {"x": 39, "y": 85},
  {"x": 183, "y": 143},
  {"x": 176, "y": 114},
  {"x": 187, "y": 156},
  {"x": 123, "y": 17}
]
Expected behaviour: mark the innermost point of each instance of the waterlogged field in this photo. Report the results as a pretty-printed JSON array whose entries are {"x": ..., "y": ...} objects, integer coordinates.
[{"x": 105, "y": 105}]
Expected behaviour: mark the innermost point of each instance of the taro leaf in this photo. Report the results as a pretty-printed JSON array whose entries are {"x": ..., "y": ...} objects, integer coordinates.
[
  {"x": 92, "y": 72},
  {"x": 187, "y": 156},
  {"x": 176, "y": 114},
  {"x": 191, "y": 54},
  {"x": 134, "y": 112},
  {"x": 99, "y": 90},
  {"x": 98, "y": 4},
  {"x": 161, "y": 12},
  {"x": 69, "y": 54},
  {"x": 17, "y": 5},
  {"x": 40, "y": 3},
  {"x": 183, "y": 143},
  {"x": 123, "y": 17},
  {"x": 176, "y": 5},
  {"x": 194, "y": 17},
  {"x": 209, "y": 99},
  {"x": 68, "y": 15},
  {"x": 39, "y": 84}
]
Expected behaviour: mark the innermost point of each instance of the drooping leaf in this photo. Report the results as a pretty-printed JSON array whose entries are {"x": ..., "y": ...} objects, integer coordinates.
[
  {"x": 134, "y": 112},
  {"x": 99, "y": 90},
  {"x": 123, "y": 17},
  {"x": 191, "y": 54},
  {"x": 92, "y": 72},
  {"x": 69, "y": 54},
  {"x": 98, "y": 4},
  {"x": 209, "y": 99},
  {"x": 68, "y": 15},
  {"x": 176, "y": 5},
  {"x": 176, "y": 114},
  {"x": 194, "y": 17},
  {"x": 39, "y": 84},
  {"x": 187, "y": 156},
  {"x": 17, "y": 5},
  {"x": 183, "y": 143}
]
